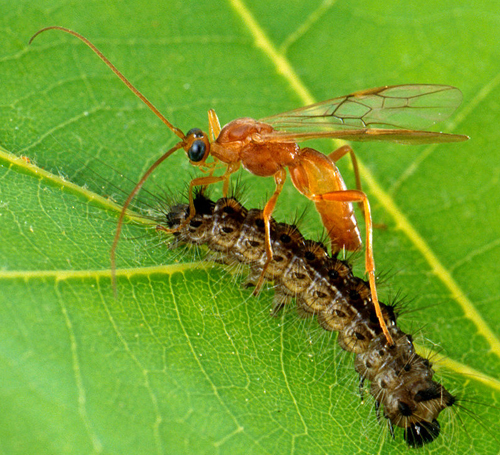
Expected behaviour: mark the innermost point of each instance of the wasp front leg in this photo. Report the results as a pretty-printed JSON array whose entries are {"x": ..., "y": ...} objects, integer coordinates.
[{"x": 201, "y": 181}]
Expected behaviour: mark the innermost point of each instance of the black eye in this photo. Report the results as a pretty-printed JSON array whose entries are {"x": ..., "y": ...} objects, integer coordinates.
[{"x": 197, "y": 151}]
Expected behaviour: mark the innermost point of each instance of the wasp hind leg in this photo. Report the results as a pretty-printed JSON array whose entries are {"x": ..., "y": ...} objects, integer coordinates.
[
  {"x": 360, "y": 197},
  {"x": 337, "y": 155}
]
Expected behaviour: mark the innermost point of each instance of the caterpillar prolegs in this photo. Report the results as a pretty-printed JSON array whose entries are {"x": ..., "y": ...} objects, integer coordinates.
[{"x": 401, "y": 381}]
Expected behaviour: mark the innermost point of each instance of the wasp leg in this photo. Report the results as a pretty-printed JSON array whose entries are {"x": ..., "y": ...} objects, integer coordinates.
[
  {"x": 359, "y": 196},
  {"x": 341, "y": 152},
  {"x": 279, "y": 179}
]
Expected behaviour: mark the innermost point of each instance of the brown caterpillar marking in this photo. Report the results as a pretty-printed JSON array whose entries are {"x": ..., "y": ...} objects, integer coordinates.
[{"x": 324, "y": 286}]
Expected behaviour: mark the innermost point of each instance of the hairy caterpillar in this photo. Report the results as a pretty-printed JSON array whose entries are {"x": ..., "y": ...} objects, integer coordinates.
[{"x": 401, "y": 381}]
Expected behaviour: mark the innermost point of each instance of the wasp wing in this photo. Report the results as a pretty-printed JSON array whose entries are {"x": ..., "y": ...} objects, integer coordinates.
[{"x": 393, "y": 113}]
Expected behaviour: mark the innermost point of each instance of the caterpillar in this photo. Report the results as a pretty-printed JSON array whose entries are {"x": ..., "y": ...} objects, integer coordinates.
[{"x": 322, "y": 285}]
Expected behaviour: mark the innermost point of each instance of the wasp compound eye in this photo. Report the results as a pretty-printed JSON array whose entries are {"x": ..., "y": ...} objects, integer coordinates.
[{"x": 197, "y": 151}]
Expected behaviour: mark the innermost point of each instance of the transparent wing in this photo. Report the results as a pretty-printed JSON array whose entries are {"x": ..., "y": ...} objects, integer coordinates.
[
  {"x": 365, "y": 135},
  {"x": 372, "y": 115}
]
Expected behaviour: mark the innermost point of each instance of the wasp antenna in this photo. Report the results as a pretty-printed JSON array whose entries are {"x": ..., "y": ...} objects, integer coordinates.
[
  {"x": 131, "y": 196},
  {"x": 148, "y": 103}
]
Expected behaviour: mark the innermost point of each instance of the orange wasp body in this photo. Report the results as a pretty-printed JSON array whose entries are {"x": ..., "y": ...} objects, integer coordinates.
[
  {"x": 268, "y": 147},
  {"x": 312, "y": 173}
]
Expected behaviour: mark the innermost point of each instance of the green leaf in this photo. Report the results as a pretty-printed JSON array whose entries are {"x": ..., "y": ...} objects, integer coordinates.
[{"x": 184, "y": 360}]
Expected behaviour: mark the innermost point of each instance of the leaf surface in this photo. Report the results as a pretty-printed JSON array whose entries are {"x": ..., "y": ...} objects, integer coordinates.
[{"x": 185, "y": 361}]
